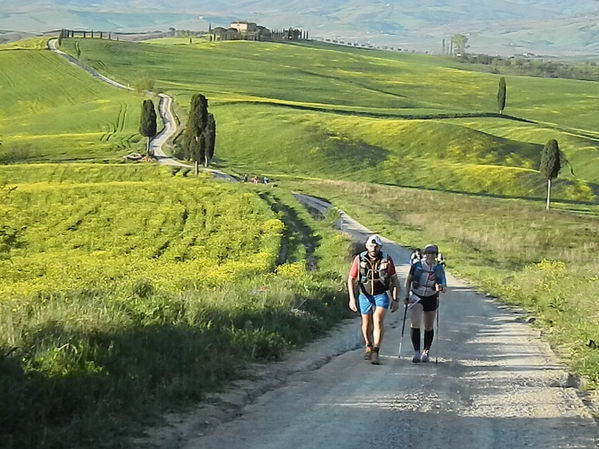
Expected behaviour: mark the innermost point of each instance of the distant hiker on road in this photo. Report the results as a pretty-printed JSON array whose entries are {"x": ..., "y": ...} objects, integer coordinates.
[
  {"x": 416, "y": 256},
  {"x": 377, "y": 279},
  {"x": 441, "y": 259},
  {"x": 423, "y": 284}
]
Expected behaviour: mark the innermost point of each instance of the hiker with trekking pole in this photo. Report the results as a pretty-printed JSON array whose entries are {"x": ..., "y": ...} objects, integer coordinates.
[
  {"x": 425, "y": 281},
  {"x": 378, "y": 287}
]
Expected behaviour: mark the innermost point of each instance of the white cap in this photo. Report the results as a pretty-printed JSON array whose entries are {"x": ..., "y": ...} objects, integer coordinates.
[{"x": 374, "y": 238}]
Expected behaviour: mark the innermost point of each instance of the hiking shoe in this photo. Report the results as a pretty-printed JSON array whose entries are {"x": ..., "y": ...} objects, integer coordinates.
[
  {"x": 374, "y": 359},
  {"x": 424, "y": 356},
  {"x": 416, "y": 358},
  {"x": 367, "y": 353}
]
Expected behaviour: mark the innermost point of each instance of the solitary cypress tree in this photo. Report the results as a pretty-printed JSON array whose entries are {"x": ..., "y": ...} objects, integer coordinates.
[
  {"x": 501, "y": 95},
  {"x": 147, "y": 122},
  {"x": 550, "y": 165}
]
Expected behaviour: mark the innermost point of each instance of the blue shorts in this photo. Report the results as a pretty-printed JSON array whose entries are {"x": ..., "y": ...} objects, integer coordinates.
[{"x": 369, "y": 302}]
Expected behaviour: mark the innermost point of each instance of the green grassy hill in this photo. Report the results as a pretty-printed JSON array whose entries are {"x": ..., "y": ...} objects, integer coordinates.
[
  {"x": 328, "y": 111},
  {"x": 130, "y": 289},
  {"x": 52, "y": 110}
]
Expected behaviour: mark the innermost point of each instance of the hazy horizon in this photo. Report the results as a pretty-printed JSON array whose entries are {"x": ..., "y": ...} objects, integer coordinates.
[{"x": 544, "y": 27}]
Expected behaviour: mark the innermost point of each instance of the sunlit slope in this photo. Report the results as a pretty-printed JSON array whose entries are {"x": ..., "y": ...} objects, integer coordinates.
[
  {"x": 352, "y": 80},
  {"x": 581, "y": 147},
  {"x": 333, "y": 75},
  {"x": 429, "y": 153},
  {"x": 267, "y": 90},
  {"x": 51, "y": 110}
]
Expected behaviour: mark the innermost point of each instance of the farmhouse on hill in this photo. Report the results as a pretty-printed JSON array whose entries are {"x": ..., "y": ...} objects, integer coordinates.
[
  {"x": 244, "y": 30},
  {"x": 244, "y": 27}
]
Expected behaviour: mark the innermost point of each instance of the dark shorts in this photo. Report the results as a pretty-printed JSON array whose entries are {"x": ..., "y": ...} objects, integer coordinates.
[{"x": 429, "y": 303}]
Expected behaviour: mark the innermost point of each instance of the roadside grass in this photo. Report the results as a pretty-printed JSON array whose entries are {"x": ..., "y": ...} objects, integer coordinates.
[
  {"x": 274, "y": 86},
  {"x": 546, "y": 263},
  {"x": 128, "y": 290},
  {"x": 53, "y": 111}
]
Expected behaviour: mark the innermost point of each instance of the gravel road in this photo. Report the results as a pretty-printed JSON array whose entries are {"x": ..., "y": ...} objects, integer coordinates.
[{"x": 496, "y": 385}]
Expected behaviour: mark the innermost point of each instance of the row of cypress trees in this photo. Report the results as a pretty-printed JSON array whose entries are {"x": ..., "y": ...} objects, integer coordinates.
[
  {"x": 200, "y": 132},
  {"x": 199, "y": 137}
]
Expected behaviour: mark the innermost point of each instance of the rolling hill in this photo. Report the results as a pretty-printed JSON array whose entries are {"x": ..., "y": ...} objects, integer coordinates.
[
  {"x": 130, "y": 289},
  {"x": 395, "y": 118},
  {"x": 55, "y": 111}
]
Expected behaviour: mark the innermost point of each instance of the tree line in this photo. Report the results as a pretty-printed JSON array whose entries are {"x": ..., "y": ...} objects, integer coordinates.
[
  {"x": 534, "y": 67},
  {"x": 66, "y": 34}
]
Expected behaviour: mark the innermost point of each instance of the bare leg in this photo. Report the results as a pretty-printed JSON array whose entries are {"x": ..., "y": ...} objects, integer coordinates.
[
  {"x": 416, "y": 312},
  {"x": 429, "y": 320},
  {"x": 367, "y": 328},
  {"x": 378, "y": 317}
]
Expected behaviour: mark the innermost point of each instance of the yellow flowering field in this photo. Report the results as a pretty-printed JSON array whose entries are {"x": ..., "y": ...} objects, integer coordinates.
[{"x": 176, "y": 232}]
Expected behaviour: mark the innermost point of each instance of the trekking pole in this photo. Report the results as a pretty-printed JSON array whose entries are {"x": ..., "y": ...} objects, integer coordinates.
[
  {"x": 437, "y": 334},
  {"x": 403, "y": 326}
]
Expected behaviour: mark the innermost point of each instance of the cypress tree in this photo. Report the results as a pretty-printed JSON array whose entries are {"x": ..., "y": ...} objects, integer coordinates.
[
  {"x": 550, "y": 165},
  {"x": 210, "y": 139},
  {"x": 196, "y": 125},
  {"x": 501, "y": 95},
  {"x": 147, "y": 122}
]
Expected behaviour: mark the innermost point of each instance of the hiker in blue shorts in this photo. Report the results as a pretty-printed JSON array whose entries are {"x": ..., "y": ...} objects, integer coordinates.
[
  {"x": 425, "y": 281},
  {"x": 378, "y": 287}
]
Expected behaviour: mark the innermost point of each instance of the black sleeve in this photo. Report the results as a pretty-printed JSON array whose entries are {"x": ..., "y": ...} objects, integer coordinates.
[{"x": 412, "y": 270}]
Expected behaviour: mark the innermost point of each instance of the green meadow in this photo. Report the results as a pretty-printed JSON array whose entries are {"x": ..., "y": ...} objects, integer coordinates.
[
  {"x": 130, "y": 289},
  {"x": 52, "y": 111},
  {"x": 396, "y": 118}
]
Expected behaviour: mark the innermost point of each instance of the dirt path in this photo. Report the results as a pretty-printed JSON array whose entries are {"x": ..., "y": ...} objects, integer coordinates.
[{"x": 496, "y": 385}]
